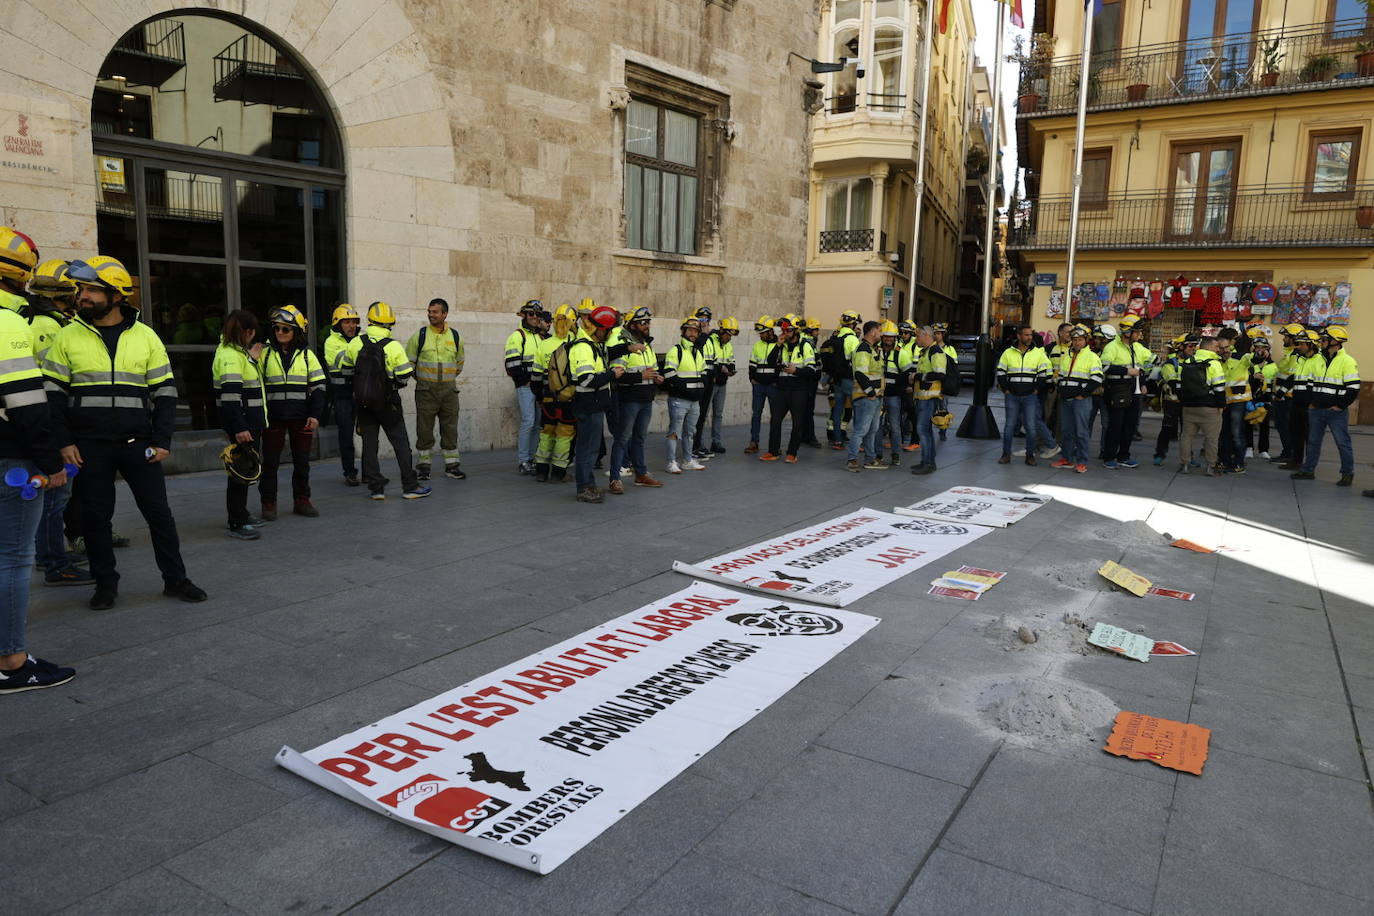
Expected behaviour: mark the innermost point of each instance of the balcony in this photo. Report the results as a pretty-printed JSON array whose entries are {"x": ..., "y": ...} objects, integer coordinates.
[
  {"x": 148, "y": 55},
  {"x": 1322, "y": 55},
  {"x": 1247, "y": 217},
  {"x": 833, "y": 240},
  {"x": 253, "y": 72}
]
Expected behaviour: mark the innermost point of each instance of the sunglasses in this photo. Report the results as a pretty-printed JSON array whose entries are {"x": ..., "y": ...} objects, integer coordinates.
[{"x": 283, "y": 328}]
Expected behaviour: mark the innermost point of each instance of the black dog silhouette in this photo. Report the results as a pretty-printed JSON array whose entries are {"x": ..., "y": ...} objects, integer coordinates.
[{"x": 482, "y": 771}]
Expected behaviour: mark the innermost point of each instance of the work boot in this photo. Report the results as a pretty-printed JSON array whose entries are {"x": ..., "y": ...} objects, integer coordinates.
[
  {"x": 454, "y": 472},
  {"x": 351, "y": 480},
  {"x": 422, "y": 471},
  {"x": 541, "y": 472},
  {"x": 1030, "y": 459},
  {"x": 922, "y": 469},
  {"x": 1303, "y": 475},
  {"x": 751, "y": 448},
  {"x": 269, "y": 512},
  {"x": 1346, "y": 480},
  {"x": 558, "y": 475},
  {"x": 1368, "y": 493},
  {"x": 303, "y": 507},
  {"x": 647, "y": 480},
  {"x": 616, "y": 488},
  {"x": 852, "y": 465},
  {"x": 589, "y": 495}
]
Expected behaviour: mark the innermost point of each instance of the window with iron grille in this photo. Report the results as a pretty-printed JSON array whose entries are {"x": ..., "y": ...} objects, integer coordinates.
[{"x": 673, "y": 147}]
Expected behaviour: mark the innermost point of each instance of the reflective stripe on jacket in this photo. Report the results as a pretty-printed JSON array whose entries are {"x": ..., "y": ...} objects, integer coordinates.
[
  {"x": 1079, "y": 374},
  {"x": 239, "y": 390},
  {"x": 437, "y": 355},
  {"x": 294, "y": 382},
  {"x": 1334, "y": 381}
]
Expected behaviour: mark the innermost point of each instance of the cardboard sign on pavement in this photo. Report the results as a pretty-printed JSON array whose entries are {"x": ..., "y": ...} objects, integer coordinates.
[
  {"x": 1175, "y": 745},
  {"x": 1134, "y": 583},
  {"x": 1171, "y": 648},
  {"x": 1115, "y": 639}
]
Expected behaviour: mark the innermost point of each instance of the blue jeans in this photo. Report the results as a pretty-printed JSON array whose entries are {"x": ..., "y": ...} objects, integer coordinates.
[
  {"x": 50, "y": 544},
  {"x": 527, "y": 440},
  {"x": 18, "y": 524},
  {"x": 629, "y": 444},
  {"x": 1319, "y": 420},
  {"x": 761, "y": 393},
  {"x": 590, "y": 427},
  {"x": 1240, "y": 435},
  {"x": 1076, "y": 413},
  {"x": 842, "y": 389},
  {"x": 925, "y": 430},
  {"x": 717, "y": 413},
  {"x": 682, "y": 426},
  {"x": 1021, "y": 408},
  {"x": 865, "y": 432},
  {"x": 892, "y": 405},
  {"x": 343, "y": 418}
]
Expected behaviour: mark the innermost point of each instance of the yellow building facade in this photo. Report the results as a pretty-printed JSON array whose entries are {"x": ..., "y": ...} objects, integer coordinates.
[
  {"x": 1227, "y": 145},
  {"x": 865, "y": 144}
]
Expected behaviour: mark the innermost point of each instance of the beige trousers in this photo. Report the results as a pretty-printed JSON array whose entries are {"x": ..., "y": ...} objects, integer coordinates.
[{"x": 1205, "y": 420}]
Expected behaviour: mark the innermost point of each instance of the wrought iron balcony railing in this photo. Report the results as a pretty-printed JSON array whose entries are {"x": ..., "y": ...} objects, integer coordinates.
[
  {"x": 833, "y": 240},
  {"x": 148, "y": 55},
  {"x": 1240, "y": 217},
  {"x": 1321, "y": 55},
  {"x": 252, "y": 71}
]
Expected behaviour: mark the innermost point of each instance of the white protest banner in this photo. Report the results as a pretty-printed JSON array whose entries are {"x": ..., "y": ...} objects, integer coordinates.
[
  {"x": 837, "y": 561},
  {"x": 533, "y": 761},
  {"x": 976, "y": 505}
]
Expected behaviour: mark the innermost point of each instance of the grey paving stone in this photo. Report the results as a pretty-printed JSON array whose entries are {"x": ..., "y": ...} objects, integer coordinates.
[
  {"x": 1061, "y": 821},
  {"x": 1194, "y": 885},
  {"x": 89, "y": 750},
  {"x": 1271, "y": 619},
  {"x": 432, "y": 888},
  {"x": 697, "y": 885},
  {"x": 1364, "y": 720},
  {"x": 1361, "y": 689},
  {"x": 153, "y": 891},
  {"x": 63, "y": 852},
  {"x": 316, "y": 853},
  {"x": 801, "y": 830},
  {"x": 951, "y": 884},
  {"x": 847, "y": 677},
  {"x": 753, "y": 754},
  {"x": 1277, "y": 818},
  {"x": 1309, "y": 671},
  {"x": 476, "y": 659},
  {"x": 1175, "y": 678},
  {"x": 14, "y": 800}
]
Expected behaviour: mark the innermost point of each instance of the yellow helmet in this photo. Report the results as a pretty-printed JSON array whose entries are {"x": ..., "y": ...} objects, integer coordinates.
[
  {"x": 102, "y": 272},
  {"x": 380, "y": 313},
  {"x": 765, "y": 323},
  {"x": 889, "y": 329},
  {"x": 1257, "y": 415},
  {"x": 290, "y": 315},
  {"x": 585, "y": 306},
  {"x": 50, "y": 280},
  {"x": 849, "y": 317},
  {"x": 729, "y": 324},
  {"x": 18, "y": 254},
  {"x": 1336, "y": 332},
  {"x": 1293, "y": 330},
  {"x": 688, "y": 323},
  {"x": 342, "y": 312},
  {"x": 565, "y": 311},
  {"x": 1178, "y": 341},
  {"x": 1311, "y": 337},
  {"x": 1257, "y": 333},
  {"x": 941, "y": 419},
  {"x": 812, "y": 324},
  {"x": 1128, "y": 322}
]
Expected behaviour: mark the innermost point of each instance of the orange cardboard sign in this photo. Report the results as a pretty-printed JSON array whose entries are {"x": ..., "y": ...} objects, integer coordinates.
[
  {"x": 1176, "y": 745},
  {"x": 1190, "y": 545}
]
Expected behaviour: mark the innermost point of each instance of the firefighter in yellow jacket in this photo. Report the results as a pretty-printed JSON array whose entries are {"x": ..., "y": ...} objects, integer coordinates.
[
  {"x": 242, "y": 401},
  {"x": 294, "y": 380},
  {"x": 380, "y": 371},
  {"x": 437, "y": 352}
]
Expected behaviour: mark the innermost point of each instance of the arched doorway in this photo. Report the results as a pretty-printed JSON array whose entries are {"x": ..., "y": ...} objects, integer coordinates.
[{"x": 219, "y": 184}]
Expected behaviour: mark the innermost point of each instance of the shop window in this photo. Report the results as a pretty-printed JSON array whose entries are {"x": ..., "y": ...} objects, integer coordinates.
[
  {"x": 1333, "y": 165},
  {"x": 201, "y": 232},
  {"x": 673, "y": 148}
]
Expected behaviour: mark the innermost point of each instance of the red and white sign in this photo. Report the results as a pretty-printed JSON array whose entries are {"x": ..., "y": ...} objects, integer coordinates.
[
  {"x": 976, "y": 505},
  {"x": 533, "y": 761},
  {"x": 837, "y": 561},
  {"x": 1170, "y": 648}
]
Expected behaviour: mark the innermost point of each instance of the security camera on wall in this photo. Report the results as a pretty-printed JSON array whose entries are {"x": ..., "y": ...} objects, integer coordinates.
[{"x": 858, "y": 65}]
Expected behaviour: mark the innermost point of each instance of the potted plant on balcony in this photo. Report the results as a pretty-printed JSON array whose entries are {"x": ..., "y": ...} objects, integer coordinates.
[
  {"x": 1319, "y": 67},
  {"x": 1035, "y": 69},
  {"x": 1364, "y": 58},
  {"x": 1136, "y": 69},
  {"x": 1094, "y": 85},
  {"x": 1272, "y": 58},
  {"x": 1364, "y": 217}
]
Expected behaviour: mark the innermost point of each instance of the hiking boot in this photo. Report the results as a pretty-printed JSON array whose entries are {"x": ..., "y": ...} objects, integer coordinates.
[
  {"x": 647, "y": 480},
  {"x": 1005, "y": 459},
  {"x": 1303, "y": 475},
  {"x": 351, "y": 480},
  {"x": 922, "y": 469},
  {"x": 303, "y": 507},
  {"x": 1030, "y": 459},
  {"x": 104, "y": 598},
  {"x": 852, "y": 465},
  {"x": 422, "y": 472},
  {"x": 590, "y": 495},
  {"x": 453, "y": 472},
  {"x": 1346, "y": 480},
  {"x": 34, "y": 674},
  {"x": 72, "y": 575},
  {"x": 417, "y": 493},
  {"x": 769, "y": 456},
  {"x": 244, "y": 533},
  {"x": 186, "y": 590},
  {"x": 751, "y": 448},
  {"x": 718, "y": 449},
  {"x": 616, "y": 488},
  {"x": 269, "y": 512},
  {"x": 558, "y": 475}
]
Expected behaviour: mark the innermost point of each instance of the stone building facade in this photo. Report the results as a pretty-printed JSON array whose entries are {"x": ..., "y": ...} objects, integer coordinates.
[{"x": 648, "y": 152}]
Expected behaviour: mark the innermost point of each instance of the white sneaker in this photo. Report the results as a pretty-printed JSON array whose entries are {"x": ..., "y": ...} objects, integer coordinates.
[
  {"x": 694, "y": 465},
  {"x": 627, "y": 472},
  {"x": 674, "y": 468},
  {"x": 1019, "y": 453},
  {"x": 1249, "y": 453},
  {"x": 1049, "y": 452},
  {"x": 1264, "y": 455}
]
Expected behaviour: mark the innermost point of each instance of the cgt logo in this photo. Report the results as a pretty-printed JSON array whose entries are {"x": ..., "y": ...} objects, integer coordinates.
[{"x": 454, "y": 807}]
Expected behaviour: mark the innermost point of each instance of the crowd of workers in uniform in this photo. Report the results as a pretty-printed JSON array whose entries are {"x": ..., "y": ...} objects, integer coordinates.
[{"x": 87, "y": 393}]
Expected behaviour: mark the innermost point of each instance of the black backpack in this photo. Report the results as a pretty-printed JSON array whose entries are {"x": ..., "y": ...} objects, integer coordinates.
[
  {"x": 372, "y": 386},
  {"x": 1193, "y": 390},
  {"x": 832, "y": 358}
]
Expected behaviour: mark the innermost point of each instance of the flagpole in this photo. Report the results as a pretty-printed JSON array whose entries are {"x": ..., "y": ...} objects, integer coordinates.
[
  {"x": 927, "y": 44},
  {"x": 1083, "y": 79},
  {"x": 978, "y": 422}
]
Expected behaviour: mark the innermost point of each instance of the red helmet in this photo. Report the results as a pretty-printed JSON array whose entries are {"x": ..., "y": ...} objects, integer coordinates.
[{"x": 603, "y": 316}]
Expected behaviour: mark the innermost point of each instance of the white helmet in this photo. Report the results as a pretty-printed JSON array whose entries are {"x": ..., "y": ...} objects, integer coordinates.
[{"x": 1105, "y": 331}]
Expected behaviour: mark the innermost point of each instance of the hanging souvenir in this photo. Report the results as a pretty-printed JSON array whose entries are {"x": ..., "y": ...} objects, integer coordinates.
[
  {"x": 1302, "y": 303},
  {"x": 1320, "y": 313},
  {"x": 1230, "y": 304},
  {"x": 1212, "y": 312},
  {"x": 1054, "y": 306},
  {"x": 1283, "y": 308},
  {"x": 1119, "y": 302},
  {"x": 1196, "y": 296},
  {"x": 1340, "y": 307}
]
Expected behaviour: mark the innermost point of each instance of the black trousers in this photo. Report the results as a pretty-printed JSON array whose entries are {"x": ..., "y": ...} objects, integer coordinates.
[
  {"x": 1168, "y": 429},
  {"x": 94, "y": 489},
  {"x": 1121, "y": 426},
  {"x": 701, "y": 417},
  {"x": 273, "y": 443},
  {"x": 782, "y": 402},
  {"x": 392, "y": 422},
  {"x": 1297, "y": 431},
  {"x": 808, "y": 418}
]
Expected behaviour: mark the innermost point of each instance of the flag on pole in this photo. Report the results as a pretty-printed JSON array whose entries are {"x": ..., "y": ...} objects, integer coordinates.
[
  {"x": 1014, "y": 7},
  {"x": 944, "y": 16}
]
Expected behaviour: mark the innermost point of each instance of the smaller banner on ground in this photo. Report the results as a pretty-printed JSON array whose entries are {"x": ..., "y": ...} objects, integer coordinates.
[
  {"x": 976, "y": 505},
  {"x": 837, "y": 561},
  {"x": 533, "y": 761},
  {"x": 1131, "y": 645},
  {"x": 1176, "y": 745}
]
